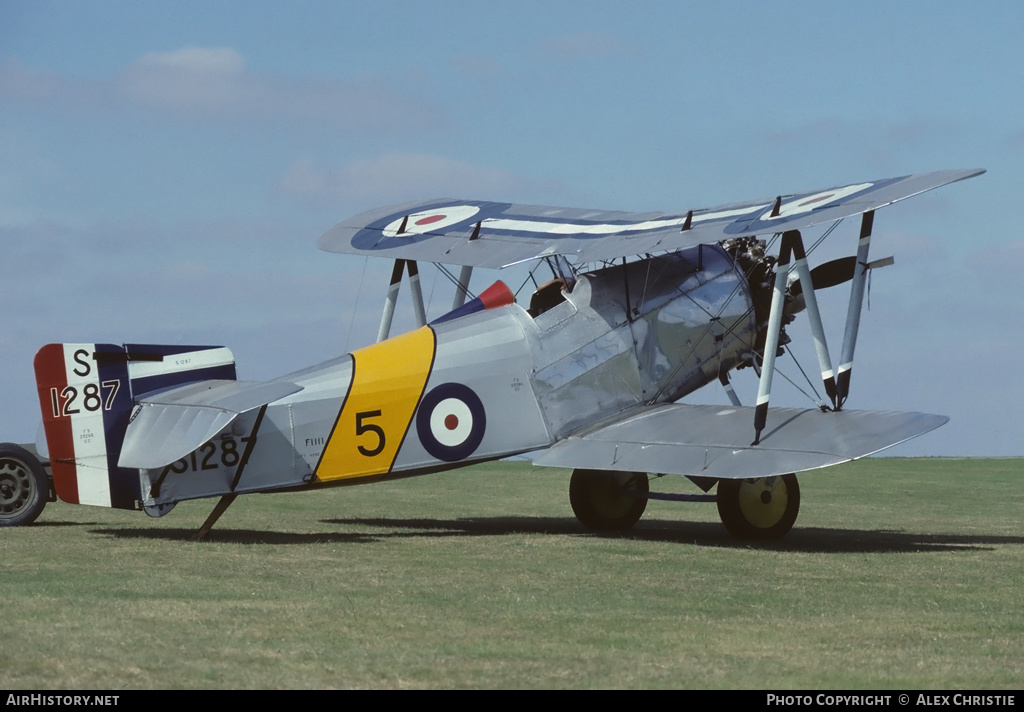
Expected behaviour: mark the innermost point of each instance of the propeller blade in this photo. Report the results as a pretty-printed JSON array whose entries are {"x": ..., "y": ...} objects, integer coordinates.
[{"x": 829, "y": 274}]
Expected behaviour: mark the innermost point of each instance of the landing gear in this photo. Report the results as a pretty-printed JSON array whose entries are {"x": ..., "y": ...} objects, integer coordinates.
[
  {"x": 23, "y": 486},
  {"x": 608, "y": 501},
  {"x": 760, "y": 509}
]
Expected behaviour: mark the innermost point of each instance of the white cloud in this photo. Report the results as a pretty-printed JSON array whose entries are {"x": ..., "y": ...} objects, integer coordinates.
[
  {"x": 189, "y": 78},
  {"x": 395, "y": 177},
  {"x": 198, "y": 60},
  {"x": 213, "y": 82},
  {"x": 204, "y": 83}
]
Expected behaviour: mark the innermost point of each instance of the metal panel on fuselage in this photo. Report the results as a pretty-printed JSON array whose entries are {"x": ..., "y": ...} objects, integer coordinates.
[
  {"x": 478, "y": 403},
  {"x": 586, "y": 366},
  {"x": 441, "y": 395},
  {"x": 281, "y": 452},
  {"x": 695, "y": 317},
  {"x": 690, "y": 315},
  {"x": 487, "y": 385},
  {"x": 387, "y": 383}
]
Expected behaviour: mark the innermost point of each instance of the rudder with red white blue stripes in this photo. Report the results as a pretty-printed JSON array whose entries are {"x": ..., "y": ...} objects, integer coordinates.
[{"x": 86, "y": 395}]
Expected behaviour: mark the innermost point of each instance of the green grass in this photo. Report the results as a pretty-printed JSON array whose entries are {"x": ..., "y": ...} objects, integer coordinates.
[{"x": 898, "y": 574}]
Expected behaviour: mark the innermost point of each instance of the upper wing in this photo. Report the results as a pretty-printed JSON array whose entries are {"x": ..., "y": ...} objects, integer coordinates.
[
  {"x": 714, "y": 441},
  {"x": 485, "y": 234}
]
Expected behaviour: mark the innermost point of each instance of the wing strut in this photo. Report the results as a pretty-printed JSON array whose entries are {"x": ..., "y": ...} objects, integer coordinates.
[
  {"x": 417, "y": 293},
  {"x": 392, "y": 297},
  {"x": 462, "y": 288},
  {"x": 813, "y": 315},
  {"x": 723, "y": 378},
  {"x": 792, "y": 248},
  {"x": 771, "y": 342},
  {"x": 837, "y": 388},
  {"x": 853, "y": 313}
]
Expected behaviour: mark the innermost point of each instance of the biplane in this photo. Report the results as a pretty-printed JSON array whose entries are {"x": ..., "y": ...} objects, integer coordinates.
[{"x": 640, "y": 311}]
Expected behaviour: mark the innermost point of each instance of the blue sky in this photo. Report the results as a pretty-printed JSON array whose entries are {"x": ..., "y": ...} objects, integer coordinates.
[{"x": 166, "y": 167}]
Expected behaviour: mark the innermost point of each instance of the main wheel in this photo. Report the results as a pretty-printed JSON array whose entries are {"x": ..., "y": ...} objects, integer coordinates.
[
  {"x": 765, "y": 508},
  {"x": 608, "y": 501},
  {"x": 23, "y": 486}
]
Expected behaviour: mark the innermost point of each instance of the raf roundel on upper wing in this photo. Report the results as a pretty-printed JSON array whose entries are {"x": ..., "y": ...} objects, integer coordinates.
[
  {"x": 800, "y": 205},
  {"x": 430, "y": 220},
  {"x": 438, "y": 218}
]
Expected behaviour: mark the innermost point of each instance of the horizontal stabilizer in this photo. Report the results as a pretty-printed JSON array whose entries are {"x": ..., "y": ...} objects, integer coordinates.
[
  {"x": 714, "y": 441},
  {"x": 170, "y": 424}
]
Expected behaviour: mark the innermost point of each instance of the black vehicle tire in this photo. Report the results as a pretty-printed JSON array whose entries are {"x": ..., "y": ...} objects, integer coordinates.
[
  {"x": 607, "y": 501},
  {"x": 23, "y": 486},
  {"x": 761, "y": 509}
]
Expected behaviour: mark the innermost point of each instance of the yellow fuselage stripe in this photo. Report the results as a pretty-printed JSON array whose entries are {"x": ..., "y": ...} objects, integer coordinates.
[{"x": 387, "y": 383}]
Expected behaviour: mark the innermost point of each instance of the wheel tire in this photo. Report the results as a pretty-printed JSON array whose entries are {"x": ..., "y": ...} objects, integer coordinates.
[
  {"x": 761, "y": 509},
  {"x": 23, "y": 486},
  {"x": 601, "y": 499}
]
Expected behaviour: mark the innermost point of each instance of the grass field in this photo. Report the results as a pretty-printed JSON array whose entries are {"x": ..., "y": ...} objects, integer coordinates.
[{"x": 898, "y": 574}]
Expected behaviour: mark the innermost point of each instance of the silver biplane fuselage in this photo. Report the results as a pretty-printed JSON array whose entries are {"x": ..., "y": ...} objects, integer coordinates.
[
  {"x": 589, "y": 376},
  {"x": 645, "y": 332}
]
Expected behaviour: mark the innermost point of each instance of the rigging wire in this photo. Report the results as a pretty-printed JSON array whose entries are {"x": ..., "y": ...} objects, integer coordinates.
[
  {"x": 430, "y": 299},
  {"x": 647, "y": 281},
  {"x": 817, "y": 400},
  {"x": 455, "y": 281},
  {"x": 824, "y": 235},
  {"x": 355, "y": 308},
  {"x": 529, "y": 278}
]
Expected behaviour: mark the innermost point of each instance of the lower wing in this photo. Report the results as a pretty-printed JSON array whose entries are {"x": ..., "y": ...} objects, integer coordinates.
[{"x": 714, "y": 441}]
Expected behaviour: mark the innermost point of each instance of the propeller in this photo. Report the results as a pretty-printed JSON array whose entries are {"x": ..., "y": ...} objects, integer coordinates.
[{"x": 828, "y": 275}]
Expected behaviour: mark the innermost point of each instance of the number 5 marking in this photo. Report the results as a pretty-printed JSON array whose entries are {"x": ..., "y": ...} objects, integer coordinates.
[{"x": 362, "y": 428}]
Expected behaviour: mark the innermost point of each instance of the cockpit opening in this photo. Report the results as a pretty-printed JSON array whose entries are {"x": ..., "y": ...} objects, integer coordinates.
[{"x": 548, "y": 295}]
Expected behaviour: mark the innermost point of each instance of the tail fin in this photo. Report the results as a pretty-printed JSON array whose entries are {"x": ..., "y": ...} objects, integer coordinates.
[{"x": 87, "y": 392}]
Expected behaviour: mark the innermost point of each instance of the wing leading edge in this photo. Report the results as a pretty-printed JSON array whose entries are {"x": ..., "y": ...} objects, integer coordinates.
[
  {"x": 494, "y": 235},
  {"x": 714, "y": 441}
]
